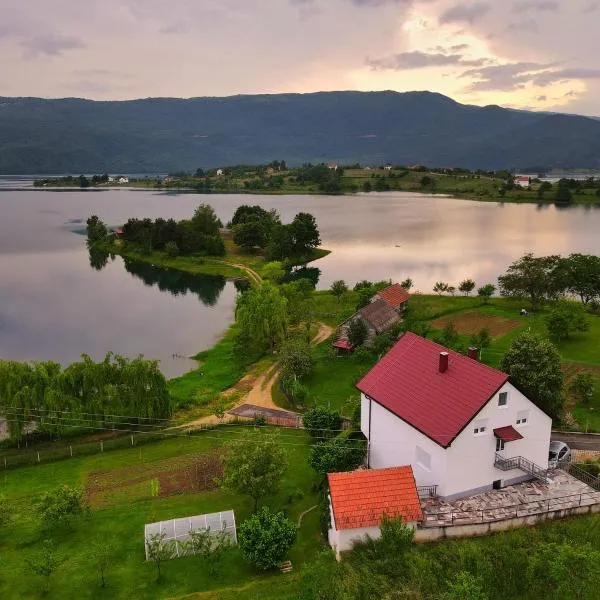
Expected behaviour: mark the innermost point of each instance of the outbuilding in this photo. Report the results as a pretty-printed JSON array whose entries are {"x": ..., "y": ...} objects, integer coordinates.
[{"x": 358, "y": 500}]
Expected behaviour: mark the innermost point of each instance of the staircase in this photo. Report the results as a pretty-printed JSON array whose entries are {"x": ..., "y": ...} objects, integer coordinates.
[{"x": 520, "y": 462}]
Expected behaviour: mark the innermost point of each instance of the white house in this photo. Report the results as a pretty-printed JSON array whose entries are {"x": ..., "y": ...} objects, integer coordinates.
[
  {"x": 359, "y": 499},
  {"x": 219, "y": 172},
  {"x": 388, "y": 167},
  {"x": 111, "y": 179},
  {"x": 123, "y": 180},
  {"x": 523, "y": 181},
  {"x": 332, "y": 166},
  {"x": 461, "y": 424}
]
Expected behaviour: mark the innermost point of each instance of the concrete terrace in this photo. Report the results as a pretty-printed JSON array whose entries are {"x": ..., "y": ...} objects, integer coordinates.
[{"x": 561, "y": 491}]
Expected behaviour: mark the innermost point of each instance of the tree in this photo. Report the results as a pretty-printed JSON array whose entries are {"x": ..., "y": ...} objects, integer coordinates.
[
  {"x": 103, "y": 555},
  {"x": 262, "y": 316},
  {"x": 60, "y": 505},
  {"x": 407, "y": 284},
  {"x": 159, "y": 550},
  {"x": 486, "y": 292},
  {"x": 440, "y": 287},
  {"x": 563, "y": 194},
  {"x": 265, "y": 538},
  {"x": 481, "y": 340},
  {"x": 254, "y": 466},
  {"x": 339, "y": 288},
  {"x": 305, "y": 233},
  {"x": 534, "y": 366},
  {"x": 172, "y": 249},
  {"x": 357, "y": 332},
  {"x": 427, "y": 182},
  {"x": 250, "y": 235},
  {"x": 566, "y": 317},
  {"x": 296, "y": 359},
  {"x": 273, "y": 271},
  {"x": 96, "y": 229},
  {"x": 338, "y": 454},
  {"x": 367, "y": 187},
  {"x": 322, "y": 423},
  {"x": 466, "y": 286},
  {"x": 281, "y": 243},
  {"x": 44, "y": 563},
  {"x": 210, "y": 546},
  {"x": 537, "y": 278},
  {"x": 545, "y": 186},
  {"x": 451, "y": 290},
  {"x": 582, "y": 273},
  {"x": 449, "y": 335},
  {"x": 582, "y": 387},
  {"x": 206, "y": 221}
]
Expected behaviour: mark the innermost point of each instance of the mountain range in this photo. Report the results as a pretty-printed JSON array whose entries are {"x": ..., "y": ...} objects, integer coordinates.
[{"x": 167, "y": 134}]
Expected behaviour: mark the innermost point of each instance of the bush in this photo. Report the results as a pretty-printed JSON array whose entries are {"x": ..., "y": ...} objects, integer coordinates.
[
  {"x": 296, "y": 359},
  {"x": 61, "y": 505},
  {"x": 321, "y": 422},
  {"x": 265, "y": 538},
  {"x": 357, "y": 332},
  {"x": 336, "y": 455}
]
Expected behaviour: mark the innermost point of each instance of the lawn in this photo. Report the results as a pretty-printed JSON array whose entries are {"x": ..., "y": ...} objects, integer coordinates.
[{"x": 121, "y": 520}]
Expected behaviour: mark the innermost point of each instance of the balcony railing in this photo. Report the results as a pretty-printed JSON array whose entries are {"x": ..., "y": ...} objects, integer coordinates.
[
  {"x": 427, "y": 491},
  {"x": 521, "y": 463}
]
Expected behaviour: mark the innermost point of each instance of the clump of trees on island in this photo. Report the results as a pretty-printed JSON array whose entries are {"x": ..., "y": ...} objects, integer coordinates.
[
  {"x": 254, "y": 229},
  {"x": 86, "y": 393}
]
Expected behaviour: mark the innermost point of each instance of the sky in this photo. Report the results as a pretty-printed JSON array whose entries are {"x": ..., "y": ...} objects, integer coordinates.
[{"x": 533, "y": 54}]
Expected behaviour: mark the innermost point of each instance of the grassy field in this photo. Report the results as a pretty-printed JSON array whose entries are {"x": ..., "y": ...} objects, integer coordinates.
[
  {"x": 127, "y": 506},
  {"x": 334, "y": 377}
]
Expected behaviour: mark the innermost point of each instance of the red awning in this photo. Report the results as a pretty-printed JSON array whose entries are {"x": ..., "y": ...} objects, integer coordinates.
[
  {"x": 508, "y": 434},
  {"x": 343, "y": 344}
]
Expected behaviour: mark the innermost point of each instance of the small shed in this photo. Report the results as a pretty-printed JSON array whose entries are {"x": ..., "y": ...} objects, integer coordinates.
[
  {"x": 358, "y": 500},
  {"x": 177, "y": 532},
  {"x": 343, "y": 346}
]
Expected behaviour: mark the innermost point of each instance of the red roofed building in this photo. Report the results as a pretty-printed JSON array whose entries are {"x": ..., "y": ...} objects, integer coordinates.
[
  {"x": 395, "y": 296},
  {"x": 359, "y": 499},
  {"x": 454, "y": 419}
]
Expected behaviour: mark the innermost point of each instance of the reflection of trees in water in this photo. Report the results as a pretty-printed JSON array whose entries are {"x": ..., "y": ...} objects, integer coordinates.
[
  {"x": 207, "y": 287},
  {"x": 98, "y": 258}
]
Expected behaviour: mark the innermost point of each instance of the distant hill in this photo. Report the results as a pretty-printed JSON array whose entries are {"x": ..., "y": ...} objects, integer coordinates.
[{"x": 166, "y": 134}]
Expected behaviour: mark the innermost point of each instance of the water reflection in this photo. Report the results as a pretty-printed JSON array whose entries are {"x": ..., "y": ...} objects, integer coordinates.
[
  {"x": 99, "y": 258},
  {"x": 208, "y": 288}
]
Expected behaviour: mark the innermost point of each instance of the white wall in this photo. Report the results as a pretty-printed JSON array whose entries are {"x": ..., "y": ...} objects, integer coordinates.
[
  {"x": 470, "y": 463},
  {"x": 393, "y": 443},
  {"x": 467, "y": 466}
]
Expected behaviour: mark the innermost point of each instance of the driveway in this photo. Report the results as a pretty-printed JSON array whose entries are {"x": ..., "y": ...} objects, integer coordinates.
[{"x": 579, "y": 441}]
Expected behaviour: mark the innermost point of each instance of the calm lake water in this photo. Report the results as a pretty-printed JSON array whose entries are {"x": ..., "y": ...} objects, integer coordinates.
[{"x": 54, "y": 304}]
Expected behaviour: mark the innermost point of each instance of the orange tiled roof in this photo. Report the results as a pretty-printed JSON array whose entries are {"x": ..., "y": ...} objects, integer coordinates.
[
  {"x": 361, "y": 498},
  {"x": 395, "y": 295}
]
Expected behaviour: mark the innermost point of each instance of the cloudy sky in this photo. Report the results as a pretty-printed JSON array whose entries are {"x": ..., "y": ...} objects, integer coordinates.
[{"x": 538, "y": 54}]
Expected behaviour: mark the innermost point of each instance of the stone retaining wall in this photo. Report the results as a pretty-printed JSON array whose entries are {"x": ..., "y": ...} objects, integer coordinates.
[{"x": 432, "y": 534}]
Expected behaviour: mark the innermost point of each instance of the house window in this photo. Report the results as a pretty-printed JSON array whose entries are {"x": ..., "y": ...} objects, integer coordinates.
[
  {"x": 499, "y": 445},
  {"x": 480, "y": 427},
  {"x": 422, "y": 458},
  {"x": 503, "y": 399},
  {"x": 522, "y": 417}
]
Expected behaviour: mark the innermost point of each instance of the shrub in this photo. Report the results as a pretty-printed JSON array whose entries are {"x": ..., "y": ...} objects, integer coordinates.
[
  {"x": 265, "y": 538},
  {"x": 321, "y": 422},
  {"x": 60, "y": 505}
]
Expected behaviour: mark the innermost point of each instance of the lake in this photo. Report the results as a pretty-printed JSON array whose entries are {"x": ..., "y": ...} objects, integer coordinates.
[{"x": 57, "y": 302}]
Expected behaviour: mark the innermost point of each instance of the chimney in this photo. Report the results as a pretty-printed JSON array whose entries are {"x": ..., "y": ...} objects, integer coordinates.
[
  {"x": 473, "y": 353},
  {"x": 443, "y": 362}
]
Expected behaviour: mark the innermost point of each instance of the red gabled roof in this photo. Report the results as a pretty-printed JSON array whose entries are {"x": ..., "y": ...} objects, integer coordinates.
[
  {"x": 361, "y": 498},
  {"x": 408, "y": 383},
  {"x": 508, "y": 434},
  {"x": 343, "y": 344},
  {"x": 395, "y": 295}
]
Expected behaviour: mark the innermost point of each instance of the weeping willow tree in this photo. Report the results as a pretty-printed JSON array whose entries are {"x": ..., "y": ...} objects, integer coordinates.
[
  {"x": 261, "y": 315},
  {"x": 115, "y": 392}
]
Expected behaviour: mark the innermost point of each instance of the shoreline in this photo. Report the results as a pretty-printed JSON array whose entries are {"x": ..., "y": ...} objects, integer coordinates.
[{"x": 474, "y": 197}]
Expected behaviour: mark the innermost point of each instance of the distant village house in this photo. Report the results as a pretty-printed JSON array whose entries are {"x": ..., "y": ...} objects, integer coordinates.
[{"x": 523, "y": 181}]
